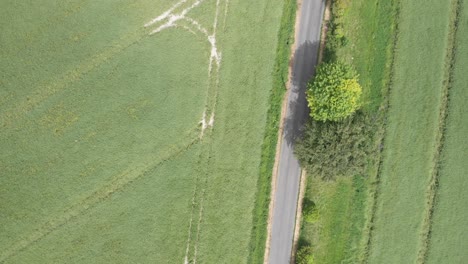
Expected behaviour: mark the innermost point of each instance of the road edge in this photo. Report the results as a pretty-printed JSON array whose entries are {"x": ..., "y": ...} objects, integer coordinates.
[
  {"x": 303, "y": 181},
  {"x": 280, "y": 136},
  {"x": 297, "y": 226}
]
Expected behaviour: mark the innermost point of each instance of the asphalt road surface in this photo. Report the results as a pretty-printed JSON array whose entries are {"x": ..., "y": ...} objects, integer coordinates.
[{"x": 289, "y": 171}]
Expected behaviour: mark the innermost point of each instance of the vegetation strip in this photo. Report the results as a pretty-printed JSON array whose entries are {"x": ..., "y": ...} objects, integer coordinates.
[
  {"x": 303, "y": 182},
  {"x": 337, "y": 227},
  {"x": 448, "y": 82},
  {"x": 411, "y": 137},
  {"x": 374, "y": 193},
  {"x": 448, "y": 232},
  {"x": 280, "y": 79}
]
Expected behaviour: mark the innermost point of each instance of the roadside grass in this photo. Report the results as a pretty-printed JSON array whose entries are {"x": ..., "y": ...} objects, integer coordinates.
[
  {"x": 335, "y": 237},
  {"x": 101, "y": 157},
  {"x": 340, "y": 234},
  {"x": 448, "y": 231},
  {"x": 280, "y": 79},
  {"x": 411, "y": 132},
  {"x": 368, "y": 27}
]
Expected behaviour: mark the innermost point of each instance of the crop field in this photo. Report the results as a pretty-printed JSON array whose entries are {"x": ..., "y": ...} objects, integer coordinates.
[
  {"x": 448, "y": 241},
  {"x": 131, "y": 131},
  {"x": 419, "y": 216}
]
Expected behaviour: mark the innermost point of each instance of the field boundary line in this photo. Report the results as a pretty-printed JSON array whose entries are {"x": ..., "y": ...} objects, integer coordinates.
[
  {"x": 284, "y": 105},
  {"x": 450, "y": 60},
  {"x": 374, "y": 192},
  {"x": 125, "y": 178}
]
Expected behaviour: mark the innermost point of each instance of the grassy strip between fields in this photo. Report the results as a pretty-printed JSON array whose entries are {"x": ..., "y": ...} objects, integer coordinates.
[
  {"x": 340, "y": 234},
  {"x": 447, "y": 241},
  {"x": 280, "y": 79},
  {"x": 412, "y": 132},
  {"x": 448, "y": 83},
  {"x": 374, "y": 187}
]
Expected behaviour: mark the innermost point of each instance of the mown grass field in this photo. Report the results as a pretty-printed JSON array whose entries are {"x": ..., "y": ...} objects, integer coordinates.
[
  {"x": 103, "y": 159},
  {"x": 413, "y": 133},
  {"x": 339, "y": 234},
  {"x": 448, "y": 241}
]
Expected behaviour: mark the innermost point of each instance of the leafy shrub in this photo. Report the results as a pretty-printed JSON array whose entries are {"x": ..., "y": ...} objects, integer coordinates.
[
  {"x": 331, "y": 149},
  {"x": 304, "y": 255},
  {"x": 310, "y": 213},
  {"x": 334, "y": 93}
]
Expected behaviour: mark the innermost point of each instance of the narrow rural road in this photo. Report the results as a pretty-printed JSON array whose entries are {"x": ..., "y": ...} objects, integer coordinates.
[{"x": 289, "y": 171}]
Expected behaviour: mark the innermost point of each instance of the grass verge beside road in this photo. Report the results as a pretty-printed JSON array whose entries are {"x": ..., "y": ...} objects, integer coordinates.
[
  {"x": 340, "y": 233},
  {"x": 280, "y": 79}
]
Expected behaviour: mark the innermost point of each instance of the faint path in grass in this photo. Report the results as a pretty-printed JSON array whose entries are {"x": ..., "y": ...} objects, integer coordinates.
[
  {"x": 450, "y": 61},
  {"x": 47, "y": 90},
  {"x": 211, "y": 101},
  {"x": 11, "y": 117},
  {"x": 44, "y": 91},
  {"x": 52, "y": 19},
  {"x": 174, "y": 18},
  {"x": 118, "y": 183}
]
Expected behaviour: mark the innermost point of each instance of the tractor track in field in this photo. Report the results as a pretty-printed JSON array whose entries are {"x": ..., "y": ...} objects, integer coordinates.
[
  {"x": 118, "y": 183},
  {"x": 45, "y": 91},
  {"x": 10, "y": 117},
  {"x": 174, "y": 18}
]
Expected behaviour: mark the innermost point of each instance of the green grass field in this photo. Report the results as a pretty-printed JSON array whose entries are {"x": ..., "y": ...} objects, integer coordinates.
[
  {"x": 411, "y": 132},
  {"x": 448, "y": 241},
  {"x": 103, "y": 157}
]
